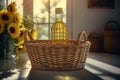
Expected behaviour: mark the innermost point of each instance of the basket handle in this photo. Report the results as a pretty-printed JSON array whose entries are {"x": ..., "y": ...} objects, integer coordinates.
[
  {"x": 82, "y": 35},
  {"x": 29, "y": 35}
]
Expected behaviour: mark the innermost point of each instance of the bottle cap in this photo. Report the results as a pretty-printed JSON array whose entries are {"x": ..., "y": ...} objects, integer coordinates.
[{"x": 58, "y": 10}]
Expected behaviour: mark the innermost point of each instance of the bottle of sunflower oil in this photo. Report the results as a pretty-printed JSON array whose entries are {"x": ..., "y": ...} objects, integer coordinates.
[{"x": 59, "y": 28}]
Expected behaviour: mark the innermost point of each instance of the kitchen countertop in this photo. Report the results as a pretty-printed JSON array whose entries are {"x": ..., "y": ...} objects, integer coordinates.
[
  {"x": 99, "y": 66},
  {"x": 8, "y": 71}
]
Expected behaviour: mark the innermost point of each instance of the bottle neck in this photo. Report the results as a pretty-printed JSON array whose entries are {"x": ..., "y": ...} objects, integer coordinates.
[{"x": 59, "y": 17}]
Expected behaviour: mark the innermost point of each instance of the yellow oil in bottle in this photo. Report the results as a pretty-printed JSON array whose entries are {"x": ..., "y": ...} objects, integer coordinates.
[{"x": 59, "y": 28}]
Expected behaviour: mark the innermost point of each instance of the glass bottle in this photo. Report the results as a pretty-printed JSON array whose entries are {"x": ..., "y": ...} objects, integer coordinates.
[{"x": 59, "y": 28}]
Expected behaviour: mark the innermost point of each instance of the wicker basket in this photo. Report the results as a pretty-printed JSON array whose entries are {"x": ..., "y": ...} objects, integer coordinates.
[
  {"x": 46, "y": 55},
  {"x": 112, "y": 37},
  {"x": 94, "y": 38}
]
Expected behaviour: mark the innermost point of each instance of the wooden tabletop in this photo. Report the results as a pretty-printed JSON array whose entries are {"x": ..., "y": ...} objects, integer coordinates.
[
  {"x": 82, "y": 74},
  {"x": 8, "y": 71}
]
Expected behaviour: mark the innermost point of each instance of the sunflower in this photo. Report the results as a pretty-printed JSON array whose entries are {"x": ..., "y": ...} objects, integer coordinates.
[
  {"x": 20, "y": 49},
  {"x": 17, "y": 18},
  {"x": 5, "y": 17},
  {"x": 1, "y": 28},
  {"x": 34, "y": 33},
  {"x": 20, "y": 39},
  {"x": 12, "y": 8},
  {"x": 13, "y": 30}
]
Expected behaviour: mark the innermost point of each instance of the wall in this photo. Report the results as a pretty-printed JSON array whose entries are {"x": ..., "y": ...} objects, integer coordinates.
[{"x": 89, "y": 19}]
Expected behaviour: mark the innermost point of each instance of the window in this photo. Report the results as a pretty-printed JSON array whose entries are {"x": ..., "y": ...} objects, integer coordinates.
[
  {"x": 43, "y": 12},
  {"x": 3, "y": 4}
]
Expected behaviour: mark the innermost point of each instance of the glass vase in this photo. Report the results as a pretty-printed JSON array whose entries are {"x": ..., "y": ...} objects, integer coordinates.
[
  {"x": 4, "y": 51},
  {"x": 6, "y": 47}
]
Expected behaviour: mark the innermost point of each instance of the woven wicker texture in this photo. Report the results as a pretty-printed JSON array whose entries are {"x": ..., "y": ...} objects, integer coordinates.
[{"x": 46, "y": 55}]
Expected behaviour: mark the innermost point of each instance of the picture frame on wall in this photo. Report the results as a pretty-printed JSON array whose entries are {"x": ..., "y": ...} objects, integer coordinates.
[{"x": 110, "y": 4}]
